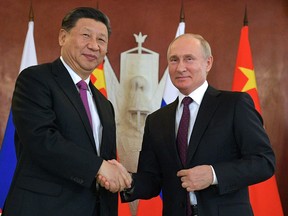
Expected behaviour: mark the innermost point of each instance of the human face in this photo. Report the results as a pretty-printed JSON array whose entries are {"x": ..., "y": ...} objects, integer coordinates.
[
  {"x": 84, "y": 47},
  {"x": 188, "y": 67}
]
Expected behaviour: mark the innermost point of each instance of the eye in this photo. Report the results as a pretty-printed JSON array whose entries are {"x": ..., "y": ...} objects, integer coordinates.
[
  {"x": 189, "y": 58},
  {"x": 173, "y": 60},
  {"x": 102, "y": 40},
  {"x": 86, "y": 35}
]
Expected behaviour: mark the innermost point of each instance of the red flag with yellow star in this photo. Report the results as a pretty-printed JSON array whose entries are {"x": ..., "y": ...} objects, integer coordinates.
[
  {"x": 98, "y": 80},
  {"x": 264, "y": 196}
]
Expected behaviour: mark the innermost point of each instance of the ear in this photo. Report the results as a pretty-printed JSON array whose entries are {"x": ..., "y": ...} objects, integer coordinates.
[
  {"x": 209, "y": 63},
  {"x": 62, "y": 37}
]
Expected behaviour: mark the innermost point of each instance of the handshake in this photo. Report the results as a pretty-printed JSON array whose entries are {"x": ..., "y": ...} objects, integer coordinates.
[{"x": 113, "y": 176}]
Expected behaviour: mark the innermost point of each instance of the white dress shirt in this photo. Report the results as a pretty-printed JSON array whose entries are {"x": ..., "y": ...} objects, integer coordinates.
[
  {"x": 197, "y": 96},
  {"x": 96, "y": 124}
]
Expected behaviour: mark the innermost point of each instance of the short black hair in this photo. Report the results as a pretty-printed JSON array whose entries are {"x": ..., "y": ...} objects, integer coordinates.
[{"x": 69, "y": 21}]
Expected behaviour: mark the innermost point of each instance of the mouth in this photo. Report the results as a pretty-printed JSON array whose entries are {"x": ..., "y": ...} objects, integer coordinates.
[
  {"x": 181, "y": 78},
  {"x": 90, "y": 57}
]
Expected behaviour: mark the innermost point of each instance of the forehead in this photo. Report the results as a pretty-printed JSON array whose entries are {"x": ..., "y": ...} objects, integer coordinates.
[
  {"x": 185, "y": 45},
  {"x": 91, "y": 24}
]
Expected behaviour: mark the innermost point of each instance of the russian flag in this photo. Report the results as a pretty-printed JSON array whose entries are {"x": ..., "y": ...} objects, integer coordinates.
[
  {"x": 7, "y": 154},
  {"x": 170, "y": 92}
]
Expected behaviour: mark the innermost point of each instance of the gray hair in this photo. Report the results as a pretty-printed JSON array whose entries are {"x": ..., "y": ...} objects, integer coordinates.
[{"x": 204, "y": 44}]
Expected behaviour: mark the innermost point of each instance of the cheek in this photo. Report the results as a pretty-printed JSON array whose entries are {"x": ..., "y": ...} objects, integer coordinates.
[
  {"x": 78, "y": 43},
  {"x": 172, "y": 70},
  {"x": 103, "y": 48},
  {"x": 201, "y": 76}
]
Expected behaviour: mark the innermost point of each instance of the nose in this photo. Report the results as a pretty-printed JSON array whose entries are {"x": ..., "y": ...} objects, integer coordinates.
[
  {"x": 181, "y": 67},
  {"x": 93, "y": 45}
]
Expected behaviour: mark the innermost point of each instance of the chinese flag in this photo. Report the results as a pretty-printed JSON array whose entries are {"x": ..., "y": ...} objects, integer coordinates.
[
  {"x": 264, "y": 196},
  {"x": 98, "y": 80},
  {"x": 149, "y": 207}
]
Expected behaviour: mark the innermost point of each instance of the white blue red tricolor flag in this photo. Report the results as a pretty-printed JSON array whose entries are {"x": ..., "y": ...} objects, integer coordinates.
[
  {"x": 170, "y": 91},
  {"x": 7, "y": 153}
]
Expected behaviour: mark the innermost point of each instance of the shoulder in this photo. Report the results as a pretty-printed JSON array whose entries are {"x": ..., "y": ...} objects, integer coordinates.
[
  {"x": 164, "y": 113},
  {"x": 41, "y": 70},
  {"x": 228, "y": 95}
]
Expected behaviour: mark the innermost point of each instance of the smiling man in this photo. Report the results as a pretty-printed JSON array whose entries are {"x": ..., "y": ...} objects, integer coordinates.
[
  {"x": 204, "y": 149},
  {"x": 65, "y": 129}
]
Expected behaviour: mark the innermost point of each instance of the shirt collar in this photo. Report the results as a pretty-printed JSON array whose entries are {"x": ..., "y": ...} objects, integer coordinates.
[
  {"x": 197, "y": 95},
  {"x": 75, "y": 77}
]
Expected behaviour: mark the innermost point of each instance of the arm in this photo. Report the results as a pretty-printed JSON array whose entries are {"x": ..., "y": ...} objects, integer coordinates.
[
  {"x": 256, "y": 160},
  {"x": 147, "y": 181},
  {"x": 247, "y": 157},
  {"x": 49, "y": 131}
]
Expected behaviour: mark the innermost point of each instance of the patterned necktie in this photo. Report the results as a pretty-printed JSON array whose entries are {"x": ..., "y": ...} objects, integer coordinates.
[
  {"x": 82, "y": 85},
  {"x": 182, "y": 141}
]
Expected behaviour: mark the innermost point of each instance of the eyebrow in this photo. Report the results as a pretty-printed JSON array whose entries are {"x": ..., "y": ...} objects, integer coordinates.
[
  {"x": 90, "y": 30},
  {"x": 184, "y": 56},
  {"x": 173, "y": 57}
]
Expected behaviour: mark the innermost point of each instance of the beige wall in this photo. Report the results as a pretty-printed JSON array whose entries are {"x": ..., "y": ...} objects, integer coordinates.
[{"x": 219, "y": 22}]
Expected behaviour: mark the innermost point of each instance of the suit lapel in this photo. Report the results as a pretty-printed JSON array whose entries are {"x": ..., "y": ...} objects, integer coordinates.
[
  {"x": 65, "y": 82},
  {"x": 105, "y": 116},
  {"x": 99, "y": 104},
  {"x": 207, "y": 108}
]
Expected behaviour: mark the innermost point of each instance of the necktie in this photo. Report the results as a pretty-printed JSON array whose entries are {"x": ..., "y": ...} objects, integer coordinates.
[
  {"x": 82, "y": 85},
  {"x": 182, "y": 140}
]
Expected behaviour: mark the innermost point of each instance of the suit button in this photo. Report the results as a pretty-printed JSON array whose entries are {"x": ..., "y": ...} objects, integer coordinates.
[{"x": 77, "y": 180}]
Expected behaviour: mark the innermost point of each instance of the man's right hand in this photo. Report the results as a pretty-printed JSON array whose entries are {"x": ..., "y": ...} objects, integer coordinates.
[{"x": 113, "y": 176}]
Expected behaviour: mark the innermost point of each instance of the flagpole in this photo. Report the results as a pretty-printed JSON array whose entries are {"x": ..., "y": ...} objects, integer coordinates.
[
  {"x": 31, "y": 12},
  {"x": 245, "y": 21},
  {"x": 97, "y": 4},
  {"x": 182, "y": 15}
]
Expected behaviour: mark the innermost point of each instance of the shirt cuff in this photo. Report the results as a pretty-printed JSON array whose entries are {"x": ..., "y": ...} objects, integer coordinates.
[
  {"x": 215, "y": 181},
  {"x": 127, "y": 192}
]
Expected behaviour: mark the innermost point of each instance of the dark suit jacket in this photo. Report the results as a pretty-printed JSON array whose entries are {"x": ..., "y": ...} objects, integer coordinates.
[
  {"x": 228, "y": 134},
  {"x": 57, "y": 160}
]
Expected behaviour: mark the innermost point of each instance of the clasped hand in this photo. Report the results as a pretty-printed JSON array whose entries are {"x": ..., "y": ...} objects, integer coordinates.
[
  {"x": 196, "y": 178},
  {"x": 113, "y": 176}
]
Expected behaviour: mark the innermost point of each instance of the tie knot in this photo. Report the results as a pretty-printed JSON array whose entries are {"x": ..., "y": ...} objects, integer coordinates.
[
  {"x": 82, "y": 85},
  {"x": 186, "y": 101}
]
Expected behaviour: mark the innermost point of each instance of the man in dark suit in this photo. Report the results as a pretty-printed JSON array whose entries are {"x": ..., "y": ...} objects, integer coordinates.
[
  {"x": 62, "y": 147},
  {"x": 228, "y": 148}
]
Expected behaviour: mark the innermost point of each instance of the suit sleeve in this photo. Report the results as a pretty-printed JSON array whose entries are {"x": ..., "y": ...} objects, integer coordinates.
[
  {"x": 147, "y": 180},
  {"x": 256, "y": 160}
]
